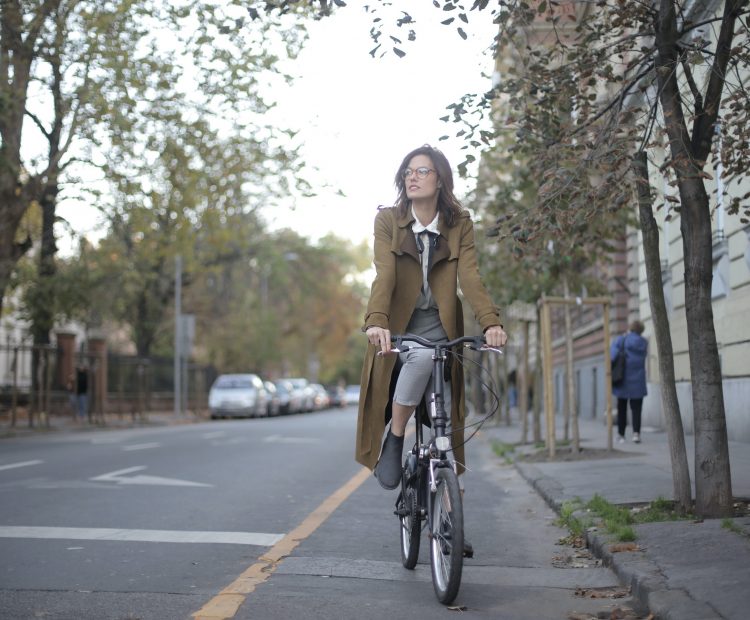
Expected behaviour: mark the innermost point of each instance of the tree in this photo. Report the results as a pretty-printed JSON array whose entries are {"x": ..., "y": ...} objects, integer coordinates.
[
  {"x": 670, "y": 404},
  {"x": 52, "y": 62},
  {"x": 630, "y": 69},
  {"x": 84, "y": 71},
  {"x": 19, "y": 37}
]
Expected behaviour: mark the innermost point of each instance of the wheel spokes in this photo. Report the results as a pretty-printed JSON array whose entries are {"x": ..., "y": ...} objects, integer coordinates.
[{"x": 442, "y": 534}]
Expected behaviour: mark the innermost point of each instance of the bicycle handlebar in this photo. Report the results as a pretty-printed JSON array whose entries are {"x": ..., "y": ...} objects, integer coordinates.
[{"x": 476, "y": 343}]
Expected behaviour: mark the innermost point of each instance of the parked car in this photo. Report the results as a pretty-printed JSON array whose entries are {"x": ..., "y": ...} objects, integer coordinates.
[
  {"x": 304, "y": 392},
  {"x": 321, "y": 400},
  {"x": 290, "y": 400},
  {"x": 352, "y": 394},
  {"x": 337, "y": 395},
  {"x": 273, "y": 405},
  {"x": 237, "y": 395}
]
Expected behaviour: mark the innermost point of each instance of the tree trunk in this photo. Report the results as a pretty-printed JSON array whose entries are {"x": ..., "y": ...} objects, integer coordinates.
[
  {"x": 44, "y": 312},
  {"x": 669, "y": 403},
  {"x": 713, "y": 483},
  {"x": 12, "y": 208},
  {"x": 43, "y": 305}
]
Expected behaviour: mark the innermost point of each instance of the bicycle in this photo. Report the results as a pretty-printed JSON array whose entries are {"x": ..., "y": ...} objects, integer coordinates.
[{"x": 429, "y": 483}]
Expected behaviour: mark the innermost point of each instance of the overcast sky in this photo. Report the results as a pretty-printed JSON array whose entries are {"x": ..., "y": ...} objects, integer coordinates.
[{"x": 358, "y": 116}]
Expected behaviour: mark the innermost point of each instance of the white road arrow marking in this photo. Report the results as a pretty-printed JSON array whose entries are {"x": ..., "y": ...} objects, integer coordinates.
[
  {"x": 20, "y": 464},
  {"x": 119, "y": 477}
]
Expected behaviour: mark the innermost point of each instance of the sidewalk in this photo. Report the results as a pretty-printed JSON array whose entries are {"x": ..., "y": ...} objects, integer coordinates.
[
  {"x": 680, "y": 570},
  {"x": 61, "y": 424}
]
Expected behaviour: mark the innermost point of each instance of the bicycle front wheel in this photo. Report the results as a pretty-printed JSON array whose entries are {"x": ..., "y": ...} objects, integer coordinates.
[
  {"x": 410, "y": 528},
  {"x": 446, "y": 536}
]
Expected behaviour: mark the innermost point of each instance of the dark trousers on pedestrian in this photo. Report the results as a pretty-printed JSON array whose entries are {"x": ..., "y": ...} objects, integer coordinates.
[{"x": 636, "y": 404}]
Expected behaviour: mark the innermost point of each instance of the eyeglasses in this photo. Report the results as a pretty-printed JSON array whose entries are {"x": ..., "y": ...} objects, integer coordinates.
[{"x": 420, "y": 172}]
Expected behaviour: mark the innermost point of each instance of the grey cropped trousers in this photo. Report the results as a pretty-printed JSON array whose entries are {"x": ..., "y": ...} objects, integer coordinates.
[{"x": 413, "y": 382}]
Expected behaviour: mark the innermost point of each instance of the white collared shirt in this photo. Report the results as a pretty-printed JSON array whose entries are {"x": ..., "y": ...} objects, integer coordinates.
[{"x": 425, "y": 301}]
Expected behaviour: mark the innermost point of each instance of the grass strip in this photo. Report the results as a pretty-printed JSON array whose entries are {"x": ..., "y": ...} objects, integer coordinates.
[{"x": 616, "y": 520}]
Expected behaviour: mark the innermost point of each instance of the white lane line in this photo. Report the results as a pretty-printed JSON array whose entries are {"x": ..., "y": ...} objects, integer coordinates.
[
  {"x": 294, "y": 440},
  {"x": 161, "y": 536},
  {"x": 141, "y": 446},
  {"x": 119, "y": 477},
  {"x": 20, "y": 464}
]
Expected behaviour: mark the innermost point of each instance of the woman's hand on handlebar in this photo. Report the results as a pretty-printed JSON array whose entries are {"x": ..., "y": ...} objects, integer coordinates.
[
  {"x": 495, "y": 336},
  {"x": 380, "y": 338}
]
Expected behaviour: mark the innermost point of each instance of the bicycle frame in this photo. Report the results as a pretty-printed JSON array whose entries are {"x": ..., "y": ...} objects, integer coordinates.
[
  {"x": 430, "y": 491},
  {"x": 433, "y": 454}
]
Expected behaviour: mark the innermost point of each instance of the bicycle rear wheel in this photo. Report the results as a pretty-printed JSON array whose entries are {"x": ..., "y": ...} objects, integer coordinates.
[
  {"x": 411, "y": 528},
  {"x": 446, "y": 536}
]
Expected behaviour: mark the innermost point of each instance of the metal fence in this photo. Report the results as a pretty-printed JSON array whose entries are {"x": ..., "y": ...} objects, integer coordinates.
[
  {"x": 137, "y": 384},
  {"x": 36, "y": 383}
]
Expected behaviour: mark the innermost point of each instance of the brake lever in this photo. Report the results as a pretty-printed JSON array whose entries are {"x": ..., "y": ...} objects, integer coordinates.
[
  {"x": 493, "y": 349},
  {"x": 393, "y": 351}
]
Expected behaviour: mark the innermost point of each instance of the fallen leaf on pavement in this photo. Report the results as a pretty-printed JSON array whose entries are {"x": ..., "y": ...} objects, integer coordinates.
[{"x": 600, "y": 592}]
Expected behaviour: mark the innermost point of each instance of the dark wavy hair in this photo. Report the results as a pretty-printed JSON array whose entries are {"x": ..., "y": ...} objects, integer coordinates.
[{"x": 448, "y": 205}]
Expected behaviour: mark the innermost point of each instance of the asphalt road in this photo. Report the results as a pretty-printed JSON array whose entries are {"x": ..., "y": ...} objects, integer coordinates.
[{"x": 154, "y": 523}]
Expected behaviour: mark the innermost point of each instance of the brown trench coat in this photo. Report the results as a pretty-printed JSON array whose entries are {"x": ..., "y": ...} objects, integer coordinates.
[{"x": 393, "y": 297}]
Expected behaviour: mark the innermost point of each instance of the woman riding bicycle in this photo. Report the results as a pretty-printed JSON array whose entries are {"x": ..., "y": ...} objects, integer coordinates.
[{"x": 423, "y": 249}]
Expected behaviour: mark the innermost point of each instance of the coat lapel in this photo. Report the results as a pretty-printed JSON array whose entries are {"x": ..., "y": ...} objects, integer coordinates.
[
  {"x": 404, "y": 243},
  {"x": 442, "y": 251}
]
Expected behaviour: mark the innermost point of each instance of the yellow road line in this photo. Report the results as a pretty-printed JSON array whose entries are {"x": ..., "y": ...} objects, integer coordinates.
[{"x": 226, "y": 603}]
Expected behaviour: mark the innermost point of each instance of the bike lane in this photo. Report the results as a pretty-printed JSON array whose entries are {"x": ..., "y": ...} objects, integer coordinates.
[{"x": 349, "y": 565}]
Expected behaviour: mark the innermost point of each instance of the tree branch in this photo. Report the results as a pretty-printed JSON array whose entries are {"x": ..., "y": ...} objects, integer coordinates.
[
  {"x": 704, "y": 124},
  {"x": 619, "y": 99},
  {"x": 38, "y": 123},
  {"x": 650, "y": 125},
  {"x": 697, "y": 96}
]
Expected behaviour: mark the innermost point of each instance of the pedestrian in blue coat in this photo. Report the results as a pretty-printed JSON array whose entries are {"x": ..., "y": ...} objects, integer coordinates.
[{"x": 633, "y": 386}]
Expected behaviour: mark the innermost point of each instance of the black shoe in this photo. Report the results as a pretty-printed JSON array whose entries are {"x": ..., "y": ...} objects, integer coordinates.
[
  {"x": 468, "y": 549},
  {"x": 388, "y": 469}
]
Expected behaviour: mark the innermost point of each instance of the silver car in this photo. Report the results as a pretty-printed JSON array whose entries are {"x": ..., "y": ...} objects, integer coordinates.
[
  {"x": 273, "y": 404},
  {"x": 304, "y": 392},
  {"x": 240, "y": 395}
]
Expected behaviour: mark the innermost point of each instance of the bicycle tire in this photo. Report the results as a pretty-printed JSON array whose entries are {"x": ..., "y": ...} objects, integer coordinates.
[
  {"x": 411, "y": 528},
  {"x": 446, "y": 536}
]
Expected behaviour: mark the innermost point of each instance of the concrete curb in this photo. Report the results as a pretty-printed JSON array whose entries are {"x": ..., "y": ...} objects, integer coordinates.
[
  {"x": 648, "y": 585},
  {"x": 110, "y": 422}
]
